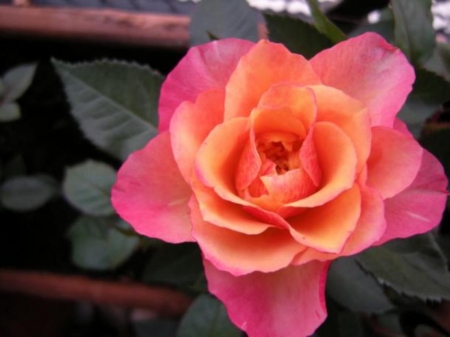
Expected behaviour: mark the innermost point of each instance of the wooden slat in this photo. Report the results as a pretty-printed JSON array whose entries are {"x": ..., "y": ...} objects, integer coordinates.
[
  {"x": 164, "y": 301},
  {"x": 113, "y": 26}
]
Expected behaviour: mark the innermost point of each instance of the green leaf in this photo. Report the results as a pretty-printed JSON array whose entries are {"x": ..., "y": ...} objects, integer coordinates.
[
  {"x": 323, "y": 25},
  {"x": 87, "y": 186},
  {"x": 2, "y": 89},
  {"x": 178, "y": 265},
  {"x": 9, "y": 112},
  {"x": 100, "y": 244},
  {"x": 17, "y": 81},
  {"x": 26, "y": 193},
  {"x": 231, "y": 18},
  {"x": 429, "y": 92},
  {"x": 160, "y": 327},
  {"x": 351, "y": 324},
  {"x": 207, "y": 317},
  {"x": 354, "y": 289},
  {"x": 414, "y": 267},
  {"x": 115, "y": 103},
  {"x": 413, "y": 31},
  {"x": 298, "y": 36},
  {"x": 439, "y": 61}
]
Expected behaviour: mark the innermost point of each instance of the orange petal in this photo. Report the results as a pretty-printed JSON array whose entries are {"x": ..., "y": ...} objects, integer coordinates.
[
  {"x": 223, "y": 213},
  {"x": 218, "y": 157},
  {"x": 249, "y": 165},
  {"x": 349, "y": 114},
  {"x": 190, "y": 125},
  {"x": 276, "y": 120},
  {"x": 290, "y": 186},
  {"x": 370, "y": 227},
  {"x": 337, "y": 160},
  {"x": 265, "y": 65},
  {"x": 327, "y": 227},
  {"x": 300, "y": 100},
  {"x": 241, "y": 254}
]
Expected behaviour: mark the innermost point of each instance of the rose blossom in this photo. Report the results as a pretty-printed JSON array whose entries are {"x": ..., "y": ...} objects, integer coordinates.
[{"x": 276, "y": 165}]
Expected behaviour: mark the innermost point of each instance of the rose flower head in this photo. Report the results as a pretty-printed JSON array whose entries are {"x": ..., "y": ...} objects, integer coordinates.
[{"x": 276, "y": 165}]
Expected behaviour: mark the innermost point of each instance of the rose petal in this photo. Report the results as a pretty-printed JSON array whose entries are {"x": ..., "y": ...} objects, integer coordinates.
[
  {"x": 190, "y": 125},
  {"x": 371, "y": 224},
  {"x": 349, "y": 114},
  {"x": 300, "y": 100},
  {"x": 265, "y": 65},
  {"x": 241, "y": 254},
  {"x": 204, "y": 67},
  {"x": 288, "y": 187},
  {"x": 371, "y": 70},
  {"x": 326, "y": 228},
  {"x": 337, "y": 159},
  {"x": 393, "y": 162},
  {"x": 419, "y": 208},
  {"x": 276, "y": 120},
  {"x": 218, "y": 157},
  {"x": 309, "y": 160},
  {"x": 151, "y": 194},
  {"x": 234, "y": 218},
  {"x": 249, "y": 165},
  {"x": 370, "y": 227},
  {"x": 289, "y": 302}
]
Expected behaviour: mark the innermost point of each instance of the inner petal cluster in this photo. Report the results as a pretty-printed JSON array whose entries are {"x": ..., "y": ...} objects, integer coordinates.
[{"x": 280, "y": 150}]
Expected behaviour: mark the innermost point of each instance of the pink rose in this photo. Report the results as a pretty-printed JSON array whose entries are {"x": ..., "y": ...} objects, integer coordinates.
[{"x": 276, "y": 165}]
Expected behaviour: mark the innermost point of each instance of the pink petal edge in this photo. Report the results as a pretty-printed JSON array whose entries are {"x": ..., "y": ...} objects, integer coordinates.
[
  {"x": 419, "y": 208},
  {"x": 289, "y": 302},
  {"x": 371, "y": 70},
  {"x": 151, "y": 194},
  {"x": 204, "y": 67}
]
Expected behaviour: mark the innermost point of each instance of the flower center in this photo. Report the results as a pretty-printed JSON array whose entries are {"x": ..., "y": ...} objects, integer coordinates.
[{"x": 281, "y": 149}]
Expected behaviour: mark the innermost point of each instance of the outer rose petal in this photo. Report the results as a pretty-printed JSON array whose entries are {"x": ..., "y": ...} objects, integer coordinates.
[
  {"x": 241, "y": 254},
  {"x": 190, "y": 125},
  {"x": 394, "y": 161},
  {"x": 371, "y": 70},
  {"x": 265, "y": 65},
  {"x": 204, "y": 67},
  {"x": 151, "y": 194},
  {"x": 419, "y": 208},
  {"x": 289, "y": 302}
]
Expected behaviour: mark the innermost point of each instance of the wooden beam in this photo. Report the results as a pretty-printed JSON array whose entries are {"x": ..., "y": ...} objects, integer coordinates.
[
  {"x": 164, "y": 301},
  {"x": 96, "y": 25}
]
